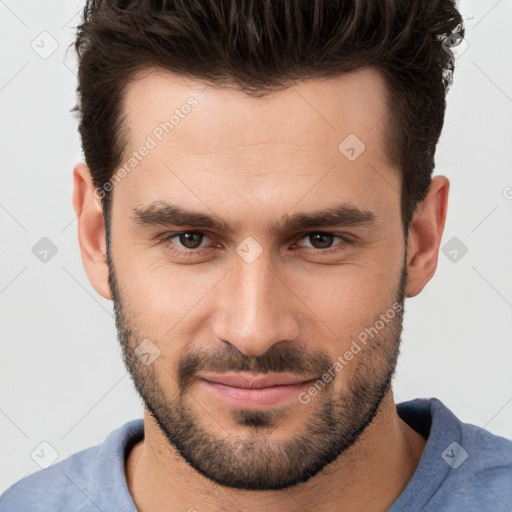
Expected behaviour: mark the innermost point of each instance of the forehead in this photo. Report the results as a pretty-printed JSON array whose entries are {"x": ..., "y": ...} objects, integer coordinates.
[
  {"x": 315, "y": 112},
  {"x": 214, "y": 140}
]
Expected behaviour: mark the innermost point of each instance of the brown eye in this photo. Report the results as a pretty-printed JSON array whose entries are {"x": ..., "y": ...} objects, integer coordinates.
[
  {"x": 321, "y": 240},
  {"x": 190, "y": 240},
  {"x": 184, "y": 242}
]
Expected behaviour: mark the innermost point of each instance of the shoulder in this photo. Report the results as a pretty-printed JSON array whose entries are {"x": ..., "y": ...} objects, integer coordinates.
[
  {"x": 57, "y": 487},
  {"x": 489, "y": 459},
  {"x": 479, "y": 470},
  {"x": 463, "y": 467},
  {"x": 84, "y": 481},
  {"x": 482, "y": 452}
]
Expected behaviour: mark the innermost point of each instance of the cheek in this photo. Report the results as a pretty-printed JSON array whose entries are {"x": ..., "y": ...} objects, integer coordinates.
[
  {"x": 342, "y": 304},
  {"x": 165, "y": 302},
  {"x": 349, "y": 295}
]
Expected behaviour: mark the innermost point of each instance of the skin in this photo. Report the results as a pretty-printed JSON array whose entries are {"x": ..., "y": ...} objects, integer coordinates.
[{"x": 271, "y": 157}]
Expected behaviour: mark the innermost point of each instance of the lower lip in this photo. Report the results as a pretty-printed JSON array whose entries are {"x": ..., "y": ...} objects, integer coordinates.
[{"x": 252, "y": 398}]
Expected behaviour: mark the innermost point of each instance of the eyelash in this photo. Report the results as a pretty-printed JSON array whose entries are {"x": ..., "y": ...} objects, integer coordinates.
[{"x": 166, "y": 238}]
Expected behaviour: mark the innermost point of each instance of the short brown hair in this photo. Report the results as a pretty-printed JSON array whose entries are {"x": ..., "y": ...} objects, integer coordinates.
[{"x": 265, "y": 45}]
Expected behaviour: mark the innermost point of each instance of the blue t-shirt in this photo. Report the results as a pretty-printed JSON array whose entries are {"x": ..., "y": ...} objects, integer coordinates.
[{"x": 463, "y": 468}]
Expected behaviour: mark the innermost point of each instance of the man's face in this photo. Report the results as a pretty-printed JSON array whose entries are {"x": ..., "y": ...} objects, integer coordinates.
[{"x": 259, "y": 294}]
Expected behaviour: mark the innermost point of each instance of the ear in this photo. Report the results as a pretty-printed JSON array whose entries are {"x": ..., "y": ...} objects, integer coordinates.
[
  {"x": 425, "y": 233},
  {"x": 91, "y": 229}
]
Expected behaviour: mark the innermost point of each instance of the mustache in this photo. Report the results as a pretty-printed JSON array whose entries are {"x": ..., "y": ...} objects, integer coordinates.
[{"x": 280, "y": 358}]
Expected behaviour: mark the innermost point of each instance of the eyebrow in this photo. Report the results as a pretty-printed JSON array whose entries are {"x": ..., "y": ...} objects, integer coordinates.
[{"x": 161, "y": 213}]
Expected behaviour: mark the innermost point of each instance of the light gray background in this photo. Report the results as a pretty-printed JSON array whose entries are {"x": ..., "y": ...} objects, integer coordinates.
[{"x": 62, "y": 380}]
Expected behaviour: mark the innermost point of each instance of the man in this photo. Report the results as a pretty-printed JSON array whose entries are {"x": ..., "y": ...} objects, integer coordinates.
[{"x": 257, "y": 201}]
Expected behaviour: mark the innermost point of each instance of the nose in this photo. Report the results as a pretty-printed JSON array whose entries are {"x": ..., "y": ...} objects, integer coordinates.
[{"x": 257, "y": 307}]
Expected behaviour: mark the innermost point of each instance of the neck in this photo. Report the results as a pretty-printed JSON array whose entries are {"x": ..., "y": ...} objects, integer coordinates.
[{"x": 370, "y": 475}]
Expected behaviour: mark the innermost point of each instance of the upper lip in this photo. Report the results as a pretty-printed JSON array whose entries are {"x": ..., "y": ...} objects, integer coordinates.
[{"x": 247, "y": 380}]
